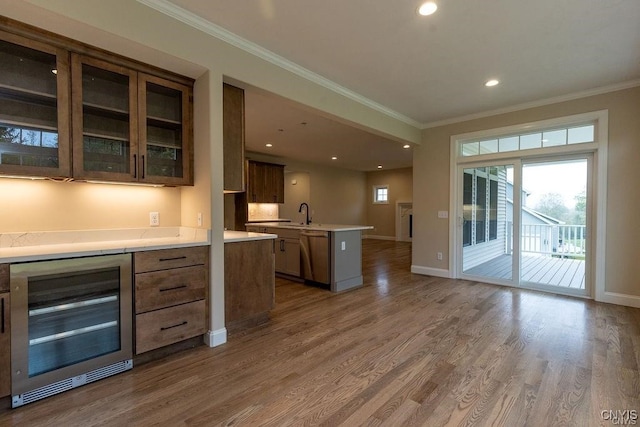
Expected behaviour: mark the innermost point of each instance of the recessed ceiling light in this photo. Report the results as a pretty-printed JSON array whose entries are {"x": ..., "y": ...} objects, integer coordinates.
[
  {"x": 268, "y": 145},
  {"x": 406, "y": 146},
  {"x": 379, "y": 166},
  {"x": 428, "y": 8},
  {"x": 492, "y": 82},
  {"x": 334, "y": 158}
]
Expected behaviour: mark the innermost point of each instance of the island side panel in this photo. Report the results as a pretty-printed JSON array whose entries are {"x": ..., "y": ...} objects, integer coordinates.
[
  {"x": 249, "y": 283},
  {"x": 346, "y": 264}
]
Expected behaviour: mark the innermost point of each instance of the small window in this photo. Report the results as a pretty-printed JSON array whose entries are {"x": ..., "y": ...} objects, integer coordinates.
[{"x": 381, "y": 194}]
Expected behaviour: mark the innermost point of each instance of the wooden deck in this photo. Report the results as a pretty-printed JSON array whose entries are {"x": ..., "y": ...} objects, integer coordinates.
[{"x": 536, "y": 269}]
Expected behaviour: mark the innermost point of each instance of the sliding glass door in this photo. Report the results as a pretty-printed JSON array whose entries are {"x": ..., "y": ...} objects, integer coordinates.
[{"x": 525, "y": 223}]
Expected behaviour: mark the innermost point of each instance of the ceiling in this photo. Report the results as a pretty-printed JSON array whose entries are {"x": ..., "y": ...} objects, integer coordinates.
[{"x": 428, "y": 70}]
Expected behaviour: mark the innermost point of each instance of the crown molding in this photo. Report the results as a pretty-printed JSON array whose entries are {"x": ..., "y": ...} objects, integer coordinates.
[
  {"x": 540, "y": 103},
  {"x": 195, "y": 21}
]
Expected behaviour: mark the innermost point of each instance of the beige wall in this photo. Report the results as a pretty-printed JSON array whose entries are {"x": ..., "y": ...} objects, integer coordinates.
[
  {"x": 431, "y": 176},
  {"x": 46, "y": 205},
  {"x": 335, "y": 195},
  {"x": 383, "y": 216}
]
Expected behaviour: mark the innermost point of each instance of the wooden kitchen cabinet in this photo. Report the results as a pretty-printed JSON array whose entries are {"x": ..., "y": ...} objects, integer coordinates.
[
  {"x": 233, "y": 138},
  {"x": 166, "y": 131},
  {"x": 129, "y": 126},
  {"x": 5, "y": 344},
  {"x": 5, "y": 332},
  {"x": 170, "y": 296},
  {"x": 105, "y": 120},
  {"x": 287, "y": 251},
  {"x": 68, "y": 110},
  {"x": 34, "y": 108},
  {"x": 249, "y": 293},
  {"x": 265, "y": 182}
]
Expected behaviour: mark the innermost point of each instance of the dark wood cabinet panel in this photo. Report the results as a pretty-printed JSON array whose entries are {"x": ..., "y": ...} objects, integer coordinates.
[
  {"x": 265, "y": 182},
  {"x": 68, "y": 110},
  {"x": 233, "y": 137},
  {"x": 171, "y": 293},
  {"x": 34, "y": 108},
  {"x": 5, "y": 344},
  {"x": 249, "y": 293}
]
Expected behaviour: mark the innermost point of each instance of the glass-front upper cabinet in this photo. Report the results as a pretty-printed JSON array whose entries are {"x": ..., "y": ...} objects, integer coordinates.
[
  {"x": 165, "y": 131},
  {"x": 34, "y": 108},
  {"x": 105, "y": 122}
]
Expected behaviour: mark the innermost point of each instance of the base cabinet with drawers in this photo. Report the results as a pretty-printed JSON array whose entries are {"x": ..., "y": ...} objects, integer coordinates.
[
  {"x": 5, "y": 332},
  {"x": 170, "y": 296}
]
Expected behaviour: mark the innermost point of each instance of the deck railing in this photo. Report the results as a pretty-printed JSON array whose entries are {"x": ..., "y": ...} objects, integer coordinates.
[{"x": 556, "y": 240}]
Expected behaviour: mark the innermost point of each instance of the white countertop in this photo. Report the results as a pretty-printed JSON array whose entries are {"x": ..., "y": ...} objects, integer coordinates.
[
  {"x": 243, "y": 236},
  {"x": 35, "y": 246},
  {"x": 314, "y": 226}
]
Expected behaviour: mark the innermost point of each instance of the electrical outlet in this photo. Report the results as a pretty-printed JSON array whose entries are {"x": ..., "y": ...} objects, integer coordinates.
[
  {"x": 344, "y": 246},
  {"x": 154, "y": 219},
  {"x": 439, "y": 255},
  {"x": 199, "y": 219}
]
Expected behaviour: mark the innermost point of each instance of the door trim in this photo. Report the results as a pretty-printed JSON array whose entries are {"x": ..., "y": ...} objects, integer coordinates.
[{"x": 598, "y": 208}]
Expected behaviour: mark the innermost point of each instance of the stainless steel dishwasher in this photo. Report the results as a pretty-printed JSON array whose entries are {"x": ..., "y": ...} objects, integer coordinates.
[{"x": 315, "y": 254}]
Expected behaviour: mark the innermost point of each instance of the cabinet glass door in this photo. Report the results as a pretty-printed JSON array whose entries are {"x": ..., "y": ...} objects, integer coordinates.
[
  {"x": 165, "y": 144},
  {"x": 105, "y": 130},
  {"x": 34, "y": 108}
]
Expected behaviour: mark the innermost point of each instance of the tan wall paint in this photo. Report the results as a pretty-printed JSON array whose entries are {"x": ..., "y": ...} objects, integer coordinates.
[
  {"x": 383, "y": 216},
  {"x": 431, "y": 175},
  {"x": 45, "y": 206},
  {"x": 335, "y": 195},
  {"x": 295, "y": 194}
]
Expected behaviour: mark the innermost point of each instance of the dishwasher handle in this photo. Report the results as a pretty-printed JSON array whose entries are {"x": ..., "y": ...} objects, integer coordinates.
[{"x": 309, "y": 233}]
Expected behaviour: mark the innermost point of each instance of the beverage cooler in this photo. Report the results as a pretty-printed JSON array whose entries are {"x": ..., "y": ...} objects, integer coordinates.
[{"x": 71, "y": 324}]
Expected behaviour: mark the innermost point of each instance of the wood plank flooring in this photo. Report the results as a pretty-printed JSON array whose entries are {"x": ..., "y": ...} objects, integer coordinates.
[{"x": 403, "y": 350}]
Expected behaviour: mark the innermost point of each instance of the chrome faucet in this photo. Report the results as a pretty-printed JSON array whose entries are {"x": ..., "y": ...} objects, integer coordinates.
[{"x": 306, "y": 206}]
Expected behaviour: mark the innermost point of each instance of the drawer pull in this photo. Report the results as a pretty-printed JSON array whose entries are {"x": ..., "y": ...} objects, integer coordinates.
[
  {"x": 173, "y": 258},
  {"x": 164, "y": 328},
  {"x": 173, "y": 289},
  {"x": 2, "y": 317}
]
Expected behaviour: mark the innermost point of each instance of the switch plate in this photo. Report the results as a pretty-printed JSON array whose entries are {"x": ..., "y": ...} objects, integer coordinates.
[
  {"x": 199, "y": 219},
  {"x": 443, "y": 214},
  {"x": 154, "y": 219},
  {"x": 343, "y": 246}
]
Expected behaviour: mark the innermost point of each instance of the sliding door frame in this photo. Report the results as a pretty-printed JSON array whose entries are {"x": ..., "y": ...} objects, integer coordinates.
[{"x": 597, "y": 208}]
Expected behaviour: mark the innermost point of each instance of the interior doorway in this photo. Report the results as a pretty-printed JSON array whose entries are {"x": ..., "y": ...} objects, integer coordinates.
[{"x": 404, "y": 221}]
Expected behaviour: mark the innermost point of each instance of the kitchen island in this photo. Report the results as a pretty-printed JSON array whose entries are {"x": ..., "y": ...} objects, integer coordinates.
[
  {"x": 326, "y": 254},
  {"x": 249, "y": 279}
]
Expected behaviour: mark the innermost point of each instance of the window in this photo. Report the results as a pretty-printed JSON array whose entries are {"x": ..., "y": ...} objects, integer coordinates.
[
  {"x": 381, "y": 194},
  {"x": 480, "y": 198},
  {"x": 548, "y": 138}
]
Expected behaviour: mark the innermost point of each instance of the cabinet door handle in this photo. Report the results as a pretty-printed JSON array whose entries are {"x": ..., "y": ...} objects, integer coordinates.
[
  {"x": 2, "y": 316},
  {"x": 135, "y": 166},
  {"x": 164, "y": 328},
  {"x": 143, "y": 166},
  {"x": 281, "y": 245},
  {"x": 173, "y": 258},
  {"x": 173, "y": 288},
  {"x": 254, "y": 198}
]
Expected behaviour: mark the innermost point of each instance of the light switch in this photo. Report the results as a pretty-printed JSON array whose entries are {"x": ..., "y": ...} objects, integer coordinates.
[{"x": 443, "y": 214}]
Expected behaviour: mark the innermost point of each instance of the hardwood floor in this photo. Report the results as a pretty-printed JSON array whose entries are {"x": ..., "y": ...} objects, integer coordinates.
[{"x": 403, "y": 350}]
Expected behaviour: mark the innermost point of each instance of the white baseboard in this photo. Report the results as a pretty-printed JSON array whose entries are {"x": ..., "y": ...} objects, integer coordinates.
[
  {"x": 620, "y": 299},
  {"x": 373, "y": 236},
  {"x": 428, "y": 271},
  {"x": 216, "y": 338}
]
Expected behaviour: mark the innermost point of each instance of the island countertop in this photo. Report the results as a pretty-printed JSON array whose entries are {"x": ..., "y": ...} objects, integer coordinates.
[
  {"x": 243, "y": 236},
  {"x": 313, "y": 226}
]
